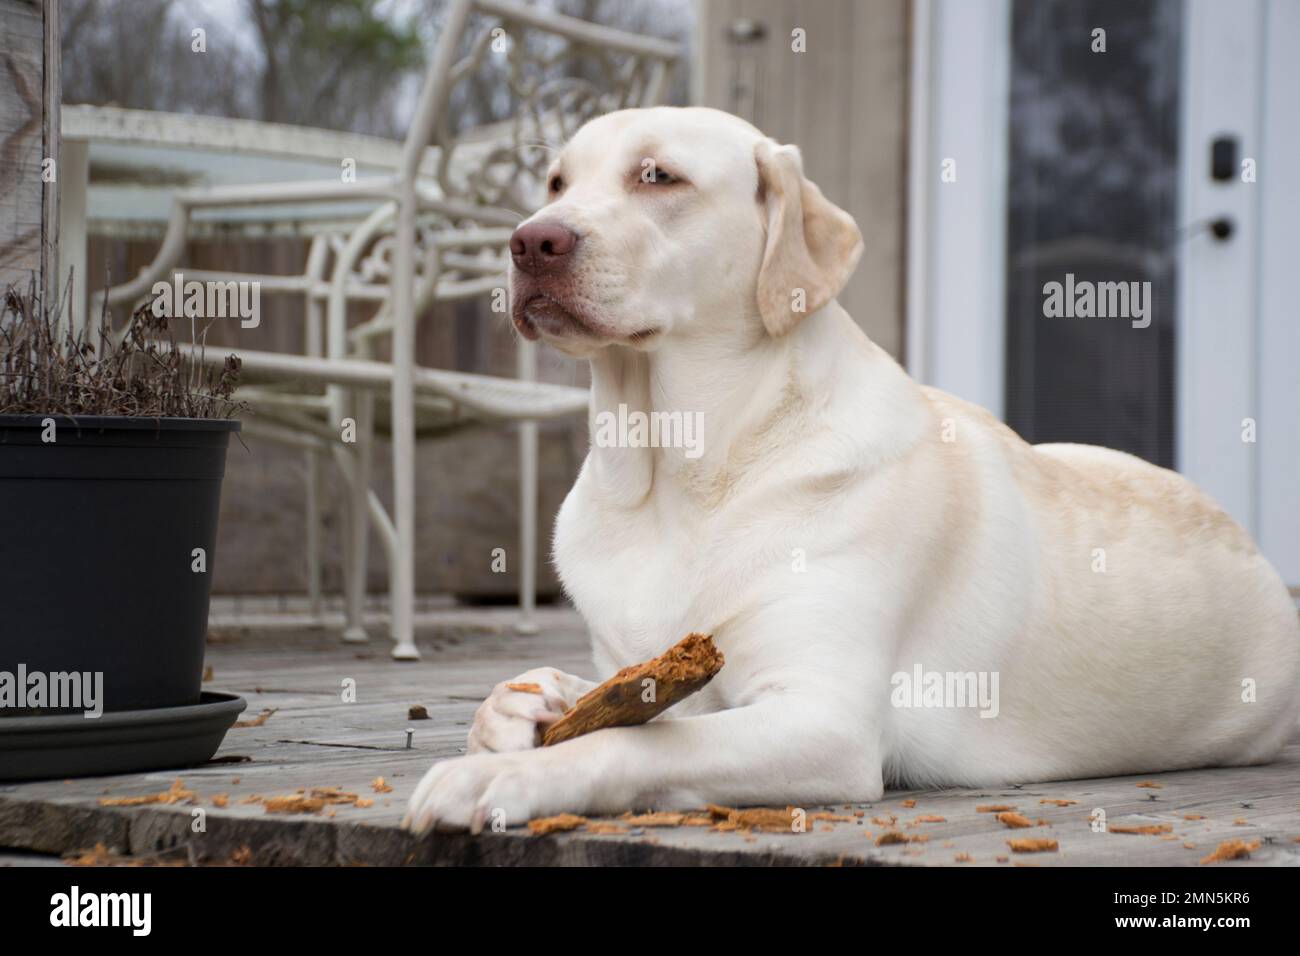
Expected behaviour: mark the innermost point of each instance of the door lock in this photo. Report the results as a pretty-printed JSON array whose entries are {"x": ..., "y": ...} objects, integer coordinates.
[{"x": 1223, "y": 158}]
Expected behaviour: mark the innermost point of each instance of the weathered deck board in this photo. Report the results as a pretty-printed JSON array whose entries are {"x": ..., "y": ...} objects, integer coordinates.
[{"x": 315, "y": 739}]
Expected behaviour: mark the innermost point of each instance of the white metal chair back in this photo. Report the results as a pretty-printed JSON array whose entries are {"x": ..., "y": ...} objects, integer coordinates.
[
  {"x": 557, "y": 72},
  {"x": 436, "y": 237}
]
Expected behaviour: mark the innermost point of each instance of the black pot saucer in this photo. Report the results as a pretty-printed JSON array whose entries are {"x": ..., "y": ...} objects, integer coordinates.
[{"x": 127, "y": 741}]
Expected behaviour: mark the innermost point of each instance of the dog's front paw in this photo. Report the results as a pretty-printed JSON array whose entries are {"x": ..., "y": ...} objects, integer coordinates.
[
  {"x": 516, "y": 711},
  {"x": 486, "y": 789}
]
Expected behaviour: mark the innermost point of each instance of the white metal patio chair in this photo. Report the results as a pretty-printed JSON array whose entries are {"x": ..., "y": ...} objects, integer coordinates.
[{"x": 425, "y": 240}]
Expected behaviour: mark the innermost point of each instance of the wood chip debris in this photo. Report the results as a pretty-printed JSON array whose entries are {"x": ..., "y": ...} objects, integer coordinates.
[
  {"x": 242, "y": 857},
  {"x": 526, "y": 688},
  {"x": 1151, "y": 785},
  {"x": 746, "y": 821},
  {"x": 101, "y": 855},
  {"x": 1147, "y": 829},
  {"x": 718, "y": 818},
  {"x": 314, "y": 800},
  {"x": 622, "y": 701},
  {"x": 1037, "y": 845},
  {"x": 662, "y": 818},
  {"x": 1231, "y": 850},
  {"x": 293, "y": 803},
  {"x": 175, "y": 794},
  {"x": 766, "y": 819},
  {"x": 604, "y": 827},
  {"x": 98, "y": 856},
  {"x": 417, "y": 712},
  {"x": 259, "y": 720},
  {"x": 1009, "y": 818},
  {"x": 379, "y": 785},
  {"x": 1060, "y": 803},
  {"x": 556, "y": 824},
  {"x": 994, "y": 807}
]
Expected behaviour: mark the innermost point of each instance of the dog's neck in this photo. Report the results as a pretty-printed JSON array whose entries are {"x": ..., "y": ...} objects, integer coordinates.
[{"x": 743, "y": 386}]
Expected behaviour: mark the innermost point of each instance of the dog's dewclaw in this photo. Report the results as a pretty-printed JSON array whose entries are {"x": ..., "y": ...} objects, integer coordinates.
[{"x": 636, "y": 694}]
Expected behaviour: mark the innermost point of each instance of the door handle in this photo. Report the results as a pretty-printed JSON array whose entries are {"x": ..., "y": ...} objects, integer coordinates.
[
  {"x": 1223, "y": 158},
  {"x": 1224, "y": 151},
  {"x": 1222, "y": 227}
]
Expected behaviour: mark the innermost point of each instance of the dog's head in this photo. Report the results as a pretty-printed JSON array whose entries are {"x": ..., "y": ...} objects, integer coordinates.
[{"x": 665, "y": 222}]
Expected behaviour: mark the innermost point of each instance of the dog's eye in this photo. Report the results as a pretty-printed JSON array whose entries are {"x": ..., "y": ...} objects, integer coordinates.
[
  {"x": 662, "y": 177},
  {"x": 556, "y": 183}
]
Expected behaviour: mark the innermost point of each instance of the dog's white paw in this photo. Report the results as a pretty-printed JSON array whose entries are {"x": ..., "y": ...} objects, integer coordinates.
[
  {"x": 485, "y": 790},
  {"x": 517, "y": 710}
]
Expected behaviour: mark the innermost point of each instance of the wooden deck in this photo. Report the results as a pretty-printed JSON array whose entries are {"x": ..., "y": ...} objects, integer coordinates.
[{"x": 314, "y": 739}]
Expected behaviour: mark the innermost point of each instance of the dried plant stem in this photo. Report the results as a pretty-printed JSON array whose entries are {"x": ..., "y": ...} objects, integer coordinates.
[{"x": 46, "y": 370}]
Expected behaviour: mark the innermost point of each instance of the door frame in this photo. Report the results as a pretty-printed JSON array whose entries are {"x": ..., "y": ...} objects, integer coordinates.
[
  {"x": 1215, "y": 337},
  {"x": 1278, "y": 343},
  {"x": 1237, "y": 331},
  {"x": 956, "y": 262},
  {"x": 1238, "y": 336}
]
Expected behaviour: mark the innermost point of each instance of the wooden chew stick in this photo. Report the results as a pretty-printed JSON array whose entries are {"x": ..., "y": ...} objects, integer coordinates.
[{"x": 677, "y": 673}]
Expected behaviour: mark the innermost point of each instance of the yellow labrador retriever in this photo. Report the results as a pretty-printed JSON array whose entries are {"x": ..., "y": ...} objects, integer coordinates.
[{"x": 905, "y": 591}]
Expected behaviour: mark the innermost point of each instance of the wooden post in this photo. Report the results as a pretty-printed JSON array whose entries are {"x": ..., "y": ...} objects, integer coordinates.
[
  {"x": 26, "y": 201},
  {"x": 51, "y": 138},
  {"x": 832, "y": 78}
]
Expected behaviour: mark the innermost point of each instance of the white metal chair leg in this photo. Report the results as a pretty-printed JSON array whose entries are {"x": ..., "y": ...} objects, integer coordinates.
[
  {"x": 402, "y": 570},
  {"x": 528, "y": 440},
  {"x": 358, "y": 525},
  {"x": 313, "y": 463},
  {"x": 356, "y": 506},
  {"x": 341, "y": 407},
  {"x": 317, "y": 256}
]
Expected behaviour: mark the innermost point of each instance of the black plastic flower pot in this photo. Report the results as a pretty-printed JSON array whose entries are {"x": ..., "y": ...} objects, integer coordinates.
[{"x": 107, "y": 548}]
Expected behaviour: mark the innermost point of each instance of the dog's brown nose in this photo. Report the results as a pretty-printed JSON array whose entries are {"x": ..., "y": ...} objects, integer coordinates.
[{"x": 537, "y": 246}]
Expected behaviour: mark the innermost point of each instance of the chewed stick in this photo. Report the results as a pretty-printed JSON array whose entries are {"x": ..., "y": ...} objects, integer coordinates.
[{"x": 636, "y": 694}]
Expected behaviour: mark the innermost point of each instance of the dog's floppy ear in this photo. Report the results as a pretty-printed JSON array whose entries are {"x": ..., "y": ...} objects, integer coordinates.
[{"x": 812, "y": 244}]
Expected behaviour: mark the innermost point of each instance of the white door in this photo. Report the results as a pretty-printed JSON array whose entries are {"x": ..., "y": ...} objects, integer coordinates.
[
  {"x": 1139, "y": 148},
  {"x": 1239, "y": 324}
]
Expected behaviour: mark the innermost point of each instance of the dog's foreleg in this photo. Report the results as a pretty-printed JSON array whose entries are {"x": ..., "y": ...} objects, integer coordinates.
[
  {"x": 782, "y": 749},
  {"x": 785, "y": 748}
]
